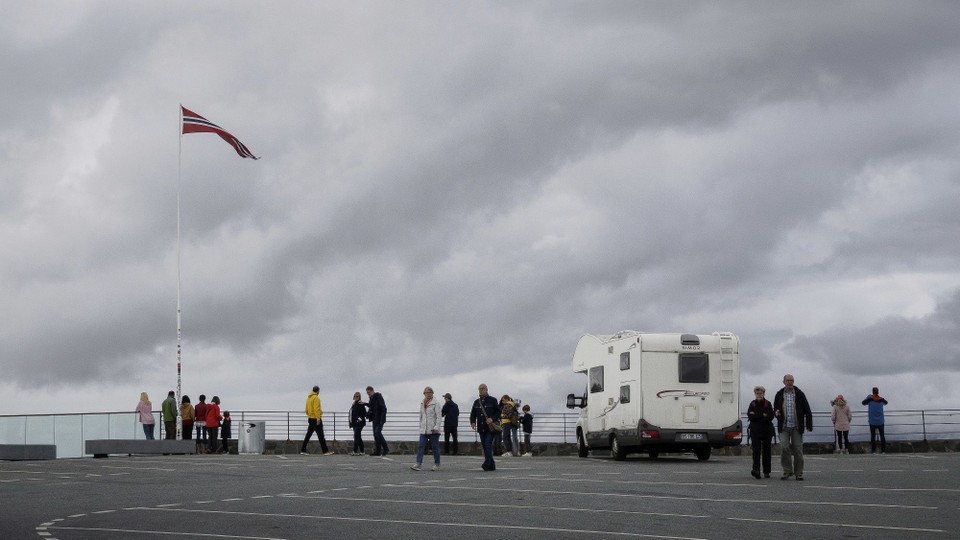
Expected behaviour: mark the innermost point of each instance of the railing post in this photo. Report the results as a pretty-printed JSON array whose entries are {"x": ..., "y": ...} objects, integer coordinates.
[{"x": 923, "y": 422}]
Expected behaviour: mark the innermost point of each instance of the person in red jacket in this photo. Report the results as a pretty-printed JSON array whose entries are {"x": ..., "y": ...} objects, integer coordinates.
[{"x": 213, "y": 424}]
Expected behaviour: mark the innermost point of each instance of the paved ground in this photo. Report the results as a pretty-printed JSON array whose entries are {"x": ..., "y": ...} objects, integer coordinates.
[{"x": 286, "y": 497}]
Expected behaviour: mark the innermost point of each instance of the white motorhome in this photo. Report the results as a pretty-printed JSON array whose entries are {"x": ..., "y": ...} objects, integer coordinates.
[{"x": 658, "y": 393}]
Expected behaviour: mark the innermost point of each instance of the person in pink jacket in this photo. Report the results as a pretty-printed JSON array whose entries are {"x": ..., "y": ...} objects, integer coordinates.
[
  {"x": 144, "y": 412},
  {"x": 841, "y": 417}
]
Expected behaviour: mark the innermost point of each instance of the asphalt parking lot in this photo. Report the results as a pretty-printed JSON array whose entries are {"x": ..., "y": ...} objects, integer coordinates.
[{"x": 289, "y": 497}]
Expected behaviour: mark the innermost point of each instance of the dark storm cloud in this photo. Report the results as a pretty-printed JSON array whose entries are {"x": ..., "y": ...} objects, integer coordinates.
[
  {"x": 465, "y": 186},
  {"x": 891, "y": 346}
]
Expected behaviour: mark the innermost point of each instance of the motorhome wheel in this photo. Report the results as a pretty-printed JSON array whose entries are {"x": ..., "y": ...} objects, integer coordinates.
[{"x": 618, "y": 452}]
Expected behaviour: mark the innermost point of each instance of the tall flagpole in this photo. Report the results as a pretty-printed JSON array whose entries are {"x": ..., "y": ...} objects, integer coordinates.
[{"x": 179, "y": 174}]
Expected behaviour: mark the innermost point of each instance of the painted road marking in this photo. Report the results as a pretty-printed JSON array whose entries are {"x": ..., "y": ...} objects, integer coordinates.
[
  {"x": 496, "y": 526},
  {"x": 679, "y": 498},
  {"x": 848, "y": 525}
]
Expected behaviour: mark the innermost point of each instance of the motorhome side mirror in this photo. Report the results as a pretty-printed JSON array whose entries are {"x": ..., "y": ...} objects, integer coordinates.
[{"x": 571, "y": 401}]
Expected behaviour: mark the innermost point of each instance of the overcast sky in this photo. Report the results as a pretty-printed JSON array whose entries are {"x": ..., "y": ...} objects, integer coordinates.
[{"x": 454, "y": 192}]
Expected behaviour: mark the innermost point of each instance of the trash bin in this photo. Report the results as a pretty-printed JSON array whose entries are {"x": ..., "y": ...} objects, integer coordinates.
[{"x": 253, "y": 438}]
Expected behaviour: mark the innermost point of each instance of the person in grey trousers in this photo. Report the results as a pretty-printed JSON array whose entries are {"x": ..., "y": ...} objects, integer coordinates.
[{"x": 793, "y": 414}]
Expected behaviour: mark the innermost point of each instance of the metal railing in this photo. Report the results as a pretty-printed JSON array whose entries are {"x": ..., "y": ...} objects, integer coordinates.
[{"x": 69, "y": 431}]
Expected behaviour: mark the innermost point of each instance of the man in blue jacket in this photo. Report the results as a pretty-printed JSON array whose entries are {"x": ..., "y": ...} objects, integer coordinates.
[
  {"x": 483, "y": 415},
  {"x": 793, "y": 414},
  {"x": 875, "y": 405}
]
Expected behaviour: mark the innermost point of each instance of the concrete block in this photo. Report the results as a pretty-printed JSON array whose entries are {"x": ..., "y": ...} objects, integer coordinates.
[
  {"x": 23, "y": 452},
  {"x": 104, "y": 447}
]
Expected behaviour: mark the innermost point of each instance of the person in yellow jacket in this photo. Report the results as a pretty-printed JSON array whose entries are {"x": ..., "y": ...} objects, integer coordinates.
[{"x": 315, "y": 422}]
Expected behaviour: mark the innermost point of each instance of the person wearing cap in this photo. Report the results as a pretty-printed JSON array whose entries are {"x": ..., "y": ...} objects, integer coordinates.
[
  {"x": 451, "y": 414},
  {"x": 760, "y": 414},
  {"x": 841, "y": 416}
]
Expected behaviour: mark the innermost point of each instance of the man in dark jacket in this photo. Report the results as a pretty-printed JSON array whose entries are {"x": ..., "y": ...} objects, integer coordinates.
[
  {"x": 484, "y": 413},
  {"x": 378, "y": 417},
  {"x": 793, "y": 416},
  {"x": 451, "y": 415}
]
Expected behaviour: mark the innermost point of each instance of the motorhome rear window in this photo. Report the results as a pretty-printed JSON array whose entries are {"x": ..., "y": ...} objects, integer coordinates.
[
  {"x": 624, "y": 361},
  {"x": 694, "y": 368},
  {"x": 596, "y": 379}
]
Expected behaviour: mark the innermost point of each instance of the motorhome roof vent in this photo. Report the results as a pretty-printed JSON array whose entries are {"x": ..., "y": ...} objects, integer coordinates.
[{"x": 689, "y": 339}]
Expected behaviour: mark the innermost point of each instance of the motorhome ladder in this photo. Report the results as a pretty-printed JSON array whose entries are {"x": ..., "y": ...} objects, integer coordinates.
[{"x": 728, "y": 381}]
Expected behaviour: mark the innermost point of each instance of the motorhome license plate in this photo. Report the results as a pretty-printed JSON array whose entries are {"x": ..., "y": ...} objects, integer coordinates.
[{"x": 690, "y": 436}]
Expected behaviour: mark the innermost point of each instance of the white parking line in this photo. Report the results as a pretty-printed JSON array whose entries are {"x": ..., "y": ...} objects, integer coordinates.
[
  {"x": 847, "y": 525},
  {"x": 512, "y": 506},
  {"x": 165, "y": 533},
  {"x": 493, "y": 526},
  {"x": 854, "y": 488},
  {"x": 679, "y": 498}
]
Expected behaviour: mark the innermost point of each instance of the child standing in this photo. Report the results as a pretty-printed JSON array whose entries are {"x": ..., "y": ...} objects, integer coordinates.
[
  {"x": 225, "y": 432},
  {"x": 841, "y": 417},
  {"x": 526, "y": 421}
]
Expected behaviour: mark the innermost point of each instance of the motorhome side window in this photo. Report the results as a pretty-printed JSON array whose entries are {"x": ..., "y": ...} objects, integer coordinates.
[
  {"x": 694, "y": 368},
  {"x": 625, "y": 394},
  {"x": 596, "y": 379},
  {"x": 624, "y": 361}
]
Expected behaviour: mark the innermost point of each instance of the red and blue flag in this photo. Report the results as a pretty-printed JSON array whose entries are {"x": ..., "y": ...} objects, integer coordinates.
[{"x": 194, "y": 123}]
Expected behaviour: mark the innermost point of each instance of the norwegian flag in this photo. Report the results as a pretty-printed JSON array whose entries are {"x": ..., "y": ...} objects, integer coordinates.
[{"x": 194, "y": 123}]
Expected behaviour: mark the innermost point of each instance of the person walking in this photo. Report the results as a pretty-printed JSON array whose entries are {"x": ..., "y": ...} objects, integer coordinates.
[
  {"x": 188, "y": 415},
  {"x": 793, "y": 415},
  {"x": 358, "y": 419},
  {"x": 760, "y": 414},
  {"x": 377, "y": 414},
  {"x": 144, "y": 412},
  {"x": 451, "y": 418},
  {"x": 875, "y": 405},
  {"x": 431, "y": 418},
  {"x": 314, "y": 422},
  {"x": 841, "y": 415},
  {"x": 169, "y": 411},
  {"x": 213, "y": 424},
  {"x": 483, "y": 416}
]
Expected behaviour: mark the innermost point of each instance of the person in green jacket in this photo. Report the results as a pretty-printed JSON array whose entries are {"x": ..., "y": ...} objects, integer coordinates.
[{"x": 169, "y": 409}]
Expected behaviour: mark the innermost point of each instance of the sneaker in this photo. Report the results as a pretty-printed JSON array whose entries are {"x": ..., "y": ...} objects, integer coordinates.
[
  {"x": 330, "y": 453},
  {"x": 416, "y": 467},
  {"x": 766, "y": 475},
  {"x": 800, "y": 477},
  {"x": 755, "y": 473},
  {"x": 304, "y": 454},
  {"x": 507, "y": 454},
  {"x": 436, "y": 467},
  {"x": 786, "y": 475}
]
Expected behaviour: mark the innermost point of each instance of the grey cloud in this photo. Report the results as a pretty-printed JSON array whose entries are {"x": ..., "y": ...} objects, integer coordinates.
[{"x": 892, "y": 346}]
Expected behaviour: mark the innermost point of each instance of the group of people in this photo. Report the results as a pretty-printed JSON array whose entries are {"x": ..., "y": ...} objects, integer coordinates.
[
  {"x": 488, "y": 418},
  {"x": 205, "y": 417},
  {"x": 792, "y": 412},
  {"x": 374, "y": 411},
  {"x": 494, "y": 421}
]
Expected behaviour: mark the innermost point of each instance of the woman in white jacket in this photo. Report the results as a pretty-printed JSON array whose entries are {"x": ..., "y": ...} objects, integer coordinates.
[{"x": 431, "y": 424}]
